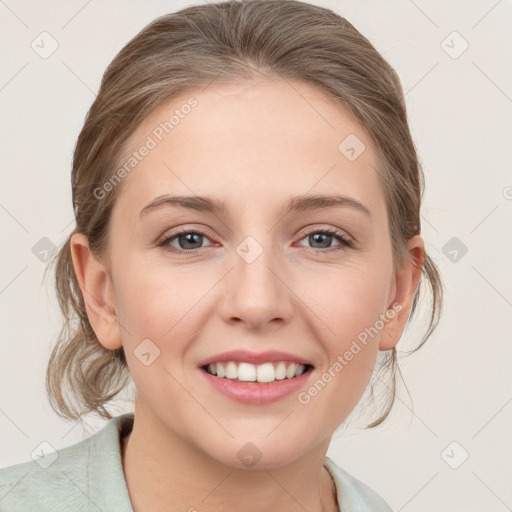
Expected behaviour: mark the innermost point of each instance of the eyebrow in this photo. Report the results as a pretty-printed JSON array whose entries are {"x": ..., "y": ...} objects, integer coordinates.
[{"x": 296, "y": 204}]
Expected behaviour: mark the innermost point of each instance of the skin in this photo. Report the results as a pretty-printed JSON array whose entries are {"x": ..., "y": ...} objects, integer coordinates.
[{"x": 253, "y": 145}]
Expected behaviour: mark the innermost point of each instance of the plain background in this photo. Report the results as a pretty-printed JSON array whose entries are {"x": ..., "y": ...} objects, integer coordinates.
[{"x": 460, "y": 110}]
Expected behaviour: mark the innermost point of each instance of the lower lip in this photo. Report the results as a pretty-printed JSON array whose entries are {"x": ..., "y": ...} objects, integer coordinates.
[{"x": 256, "y": 393}]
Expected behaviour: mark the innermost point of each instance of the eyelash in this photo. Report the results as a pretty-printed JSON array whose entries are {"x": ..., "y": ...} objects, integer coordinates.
[{"x": 345, "y": 242}]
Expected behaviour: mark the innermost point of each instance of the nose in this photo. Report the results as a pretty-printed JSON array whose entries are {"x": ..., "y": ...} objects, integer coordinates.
[{"x": 256, "y": 291}]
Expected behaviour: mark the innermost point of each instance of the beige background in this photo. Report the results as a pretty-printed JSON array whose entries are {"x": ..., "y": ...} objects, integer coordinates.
[{"x": 460, "y": 111}]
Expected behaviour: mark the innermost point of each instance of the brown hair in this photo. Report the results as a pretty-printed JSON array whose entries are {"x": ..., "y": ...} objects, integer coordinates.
[{"x": 178, "y": 52}]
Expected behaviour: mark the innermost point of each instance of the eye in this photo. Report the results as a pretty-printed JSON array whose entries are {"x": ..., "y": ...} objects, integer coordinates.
[
  {"x": 186, "y": 239},
  {"x": 324, "y": 238},
  {"x": 189, "y": 241}
]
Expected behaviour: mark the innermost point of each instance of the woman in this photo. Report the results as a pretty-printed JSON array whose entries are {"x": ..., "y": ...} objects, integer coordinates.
[{"x": 247, "y": 248}]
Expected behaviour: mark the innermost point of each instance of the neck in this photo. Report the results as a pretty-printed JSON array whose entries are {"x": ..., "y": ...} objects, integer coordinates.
[{"x": 166, "y": 472}]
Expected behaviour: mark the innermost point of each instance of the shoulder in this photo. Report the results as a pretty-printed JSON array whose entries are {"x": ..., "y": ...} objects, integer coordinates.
[
  {"x": 354, "y": 495},
  {"x": 70, "y": 479}
]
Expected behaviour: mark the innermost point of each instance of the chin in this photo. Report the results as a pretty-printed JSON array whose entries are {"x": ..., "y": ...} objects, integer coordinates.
[{"x": 256, "y": 455}]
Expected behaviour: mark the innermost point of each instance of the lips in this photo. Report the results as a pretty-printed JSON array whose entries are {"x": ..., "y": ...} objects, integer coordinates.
[
  {"x": 257, "y": 393},
  {"x": 255, "y": 358}
]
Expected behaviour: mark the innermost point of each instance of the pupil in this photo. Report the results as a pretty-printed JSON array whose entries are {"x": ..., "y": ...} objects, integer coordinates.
[
  {"x": 187, "y": 238},
  {"x": 317, "y": 237}
]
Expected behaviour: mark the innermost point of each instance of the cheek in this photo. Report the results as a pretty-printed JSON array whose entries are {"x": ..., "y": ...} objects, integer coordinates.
[
  {"x": 348, "y": 304},
  {"x": 154, "y": 298},
  {"x": 157, "y": 311},
  {"x": 349, "y": 309},
  {"x": 348, "y": 300},
  {"x": 158, "y": 321}
]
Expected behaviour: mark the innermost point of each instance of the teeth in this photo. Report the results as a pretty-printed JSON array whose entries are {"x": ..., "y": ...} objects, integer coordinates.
[
  {"x": 290, "y": 371},
  {"x": 221, "y": 372},
  {"x": 265, "y": 372},
  {"x": 281, "y": 371},
  {"x": 231, "y": 371},
  {"x": 248, "y": 372}
]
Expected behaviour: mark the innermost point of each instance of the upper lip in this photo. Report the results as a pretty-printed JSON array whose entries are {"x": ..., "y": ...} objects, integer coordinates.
[{"x": 254, "y": 357}]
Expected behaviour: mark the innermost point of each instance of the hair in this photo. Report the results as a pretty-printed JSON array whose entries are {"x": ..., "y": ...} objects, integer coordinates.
[{"x": 182, "y": 51}]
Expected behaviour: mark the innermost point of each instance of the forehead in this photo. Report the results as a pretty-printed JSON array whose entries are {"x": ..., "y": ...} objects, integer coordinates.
[{"x": 241, "y": 142}]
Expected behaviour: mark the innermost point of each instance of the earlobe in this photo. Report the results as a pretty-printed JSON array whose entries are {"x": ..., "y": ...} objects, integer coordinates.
[
  {"x": 406, "y": 282},
  {"x": 97, "y": 292}
]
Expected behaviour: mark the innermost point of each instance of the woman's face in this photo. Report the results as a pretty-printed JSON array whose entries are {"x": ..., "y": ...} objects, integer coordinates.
[{"x": 259, "y": 275}]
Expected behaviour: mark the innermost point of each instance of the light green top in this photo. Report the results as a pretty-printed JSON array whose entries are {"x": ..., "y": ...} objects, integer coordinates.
[{"x": 88, "y": 477}]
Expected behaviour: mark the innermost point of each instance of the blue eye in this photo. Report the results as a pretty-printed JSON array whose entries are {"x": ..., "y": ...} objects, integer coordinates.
[
  {"x": 184, "y": 237},
  {"x": 189, "y": 241},
  {"x": 325, "y": 236}
]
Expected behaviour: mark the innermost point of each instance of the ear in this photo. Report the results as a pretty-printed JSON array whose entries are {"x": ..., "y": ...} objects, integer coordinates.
[
  {"x": 97, "y": 291},
  {"x": 405, "y": 284}
]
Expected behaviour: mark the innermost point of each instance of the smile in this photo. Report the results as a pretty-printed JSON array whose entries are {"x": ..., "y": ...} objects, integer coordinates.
[{"x": 247, "y": 372}]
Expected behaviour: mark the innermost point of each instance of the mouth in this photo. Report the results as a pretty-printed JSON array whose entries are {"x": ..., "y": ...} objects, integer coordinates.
[
  {"x": 256, "y": 378},
  {"x": 260, "y": 374}
]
